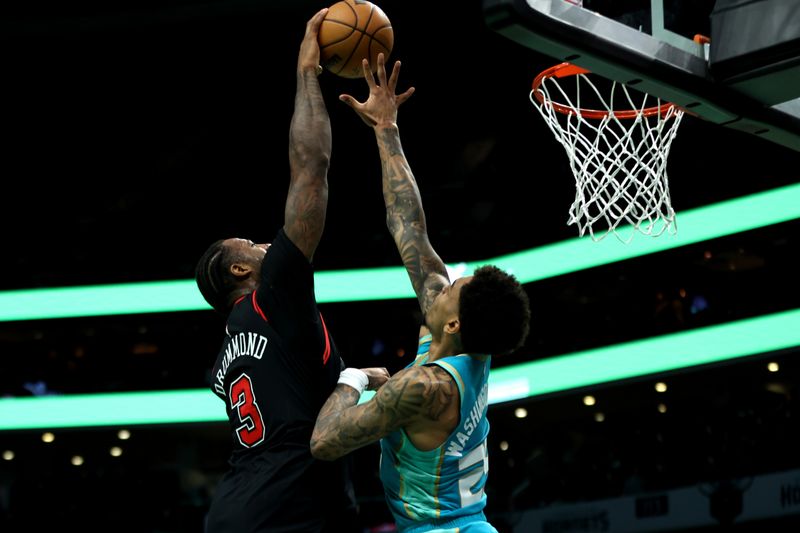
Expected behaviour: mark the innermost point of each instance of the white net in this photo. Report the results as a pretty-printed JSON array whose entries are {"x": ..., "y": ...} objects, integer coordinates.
[{"x": 619, "y": 159}]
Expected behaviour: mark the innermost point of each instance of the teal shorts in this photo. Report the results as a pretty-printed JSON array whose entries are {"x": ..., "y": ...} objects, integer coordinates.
[
  {"x": 466, "y": 524},
  {"x": 472, "y": 527}
]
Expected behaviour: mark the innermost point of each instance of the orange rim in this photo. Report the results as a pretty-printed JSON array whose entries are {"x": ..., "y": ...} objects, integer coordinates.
[
  {"x": 564, "y": 70},
  {"x": 699, "y": 38}
]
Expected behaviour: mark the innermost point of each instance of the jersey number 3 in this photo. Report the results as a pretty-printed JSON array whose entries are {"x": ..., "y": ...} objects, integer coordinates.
[{"x": 243, "y": 401}]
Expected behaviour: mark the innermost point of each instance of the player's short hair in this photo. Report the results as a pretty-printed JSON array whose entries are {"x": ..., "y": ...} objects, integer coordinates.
[
  {"x": 494, "y": 311},
  {"x": 214, "y": 278}
]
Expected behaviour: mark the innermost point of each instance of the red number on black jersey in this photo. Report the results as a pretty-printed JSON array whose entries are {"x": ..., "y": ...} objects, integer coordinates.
[{"x": 243, "y": 401}]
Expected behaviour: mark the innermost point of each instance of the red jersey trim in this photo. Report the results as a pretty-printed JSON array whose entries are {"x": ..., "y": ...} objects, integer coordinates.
[
  {"x": 258, "y": 309},
  {"x": 327, "y": 353}
]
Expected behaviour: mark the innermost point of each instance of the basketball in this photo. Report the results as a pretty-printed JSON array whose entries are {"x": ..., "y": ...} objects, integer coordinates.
[{"x": 351, "y": 31}]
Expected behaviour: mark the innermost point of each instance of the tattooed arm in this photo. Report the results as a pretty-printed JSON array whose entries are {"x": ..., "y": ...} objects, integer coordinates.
[
  {"x": 405, "y": 219},
  {"x": 413, "y": 397},
  {"x": 309, "y": 149},
  {"x": 404, "y": 214}
]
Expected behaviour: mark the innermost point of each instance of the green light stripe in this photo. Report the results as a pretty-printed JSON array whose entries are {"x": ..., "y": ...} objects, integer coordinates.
[
  {"x": 96, "y": 410},
  {"x": 101, "y": 300},
  {"x": 697, "y": 225},
  {"x": 359, "y": 285},
  {"x": 645, "y": 357},
  {"x": 582, "y": 369}
]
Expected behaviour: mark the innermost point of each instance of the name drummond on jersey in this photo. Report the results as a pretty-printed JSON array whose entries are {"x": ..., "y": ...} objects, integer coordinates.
[{"x": 239, "y": 345}]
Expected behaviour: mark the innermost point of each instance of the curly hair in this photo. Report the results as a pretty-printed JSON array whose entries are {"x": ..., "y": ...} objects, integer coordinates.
[
  {"x": 213, "y": 276},
  {"x": 494, "y": 312}
]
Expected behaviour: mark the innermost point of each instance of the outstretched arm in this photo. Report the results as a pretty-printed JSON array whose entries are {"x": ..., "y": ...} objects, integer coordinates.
[
  {"x": 404, "y": 214},
  {"x": 309, "y": 149},
  {"x": 415, "y": 395}
]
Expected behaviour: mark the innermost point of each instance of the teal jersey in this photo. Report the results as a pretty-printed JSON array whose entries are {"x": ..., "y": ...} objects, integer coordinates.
[{"x": 428, "y": 489}]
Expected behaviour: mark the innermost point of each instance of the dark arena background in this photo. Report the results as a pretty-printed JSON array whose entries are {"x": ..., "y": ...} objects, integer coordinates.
[{"x": 658, "y": 390}]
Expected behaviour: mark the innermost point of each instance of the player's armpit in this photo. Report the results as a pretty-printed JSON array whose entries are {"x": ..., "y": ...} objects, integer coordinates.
[{"x": 412, "y": 395}]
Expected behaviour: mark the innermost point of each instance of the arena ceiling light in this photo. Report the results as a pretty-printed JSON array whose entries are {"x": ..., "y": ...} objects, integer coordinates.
[{"x": 589, "y": 368}]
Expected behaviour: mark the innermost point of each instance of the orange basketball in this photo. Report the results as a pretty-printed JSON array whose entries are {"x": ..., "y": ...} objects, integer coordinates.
[{"x": 351, "y": 31}]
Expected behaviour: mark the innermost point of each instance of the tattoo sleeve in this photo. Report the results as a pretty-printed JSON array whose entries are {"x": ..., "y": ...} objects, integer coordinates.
[
  {"x": 309, "y": 156},
  {"x": 405, "y": 219},
  {"x": 417, "y": 393}
]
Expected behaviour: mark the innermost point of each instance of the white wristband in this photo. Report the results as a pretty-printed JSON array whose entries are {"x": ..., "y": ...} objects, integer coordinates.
[{"x": 354, "y": 378}]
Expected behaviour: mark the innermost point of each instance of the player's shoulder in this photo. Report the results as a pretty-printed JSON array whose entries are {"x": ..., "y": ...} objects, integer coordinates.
[
  {"x": 424, "y": 333},
  {"x": 248, "y": 313},
  {"x": 423, "y": 380},
  {"x": 286, "y": 248},
  {"x": 418, "y": 393}
]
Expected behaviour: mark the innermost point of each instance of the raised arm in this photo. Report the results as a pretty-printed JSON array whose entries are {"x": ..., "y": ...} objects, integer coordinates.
[
  {"x": 309, "y": 149},
  {"x": 404, "y": 214}
]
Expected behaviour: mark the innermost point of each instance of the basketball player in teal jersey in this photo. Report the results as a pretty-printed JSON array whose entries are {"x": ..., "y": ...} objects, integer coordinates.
[{"x": 431, "y": 416}]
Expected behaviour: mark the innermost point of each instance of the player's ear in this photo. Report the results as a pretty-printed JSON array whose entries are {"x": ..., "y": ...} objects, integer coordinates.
[
  {"x": 241, "y": 270},
  {"x": 452, "y": 326}
]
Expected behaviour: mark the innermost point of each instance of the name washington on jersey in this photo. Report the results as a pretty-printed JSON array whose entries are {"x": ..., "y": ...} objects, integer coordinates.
[
  {"x": 244, "y": 344},
  {"x": 454, "y": 448}
]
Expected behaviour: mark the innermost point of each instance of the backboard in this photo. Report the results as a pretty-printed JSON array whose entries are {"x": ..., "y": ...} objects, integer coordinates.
[{"x": 747, "y": 78}]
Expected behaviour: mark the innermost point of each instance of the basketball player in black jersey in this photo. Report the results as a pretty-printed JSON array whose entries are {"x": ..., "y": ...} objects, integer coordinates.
[{"x": 278, "y": 363}]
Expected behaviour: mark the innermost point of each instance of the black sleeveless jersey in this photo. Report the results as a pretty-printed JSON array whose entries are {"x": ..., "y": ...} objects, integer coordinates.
[{"x": 277, "y": 366}]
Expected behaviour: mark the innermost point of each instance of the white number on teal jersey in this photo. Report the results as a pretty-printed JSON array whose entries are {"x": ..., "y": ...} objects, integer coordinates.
[{"x": 475, "y": 468}]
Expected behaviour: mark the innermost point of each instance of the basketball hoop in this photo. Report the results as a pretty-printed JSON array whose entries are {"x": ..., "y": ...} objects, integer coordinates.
[{"x": 617, "y": 153}]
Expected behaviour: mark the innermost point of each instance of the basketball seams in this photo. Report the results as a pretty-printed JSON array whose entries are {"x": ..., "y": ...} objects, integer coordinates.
[
  {"x": 372, "y": 36},
  {"x": 376, "y": 30},
  {"x": 355, "y": 13},
  {"x": 361, "y": 17},
  {"x": 358, "y": 44},
  {"x": 353, "y": 28}
]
